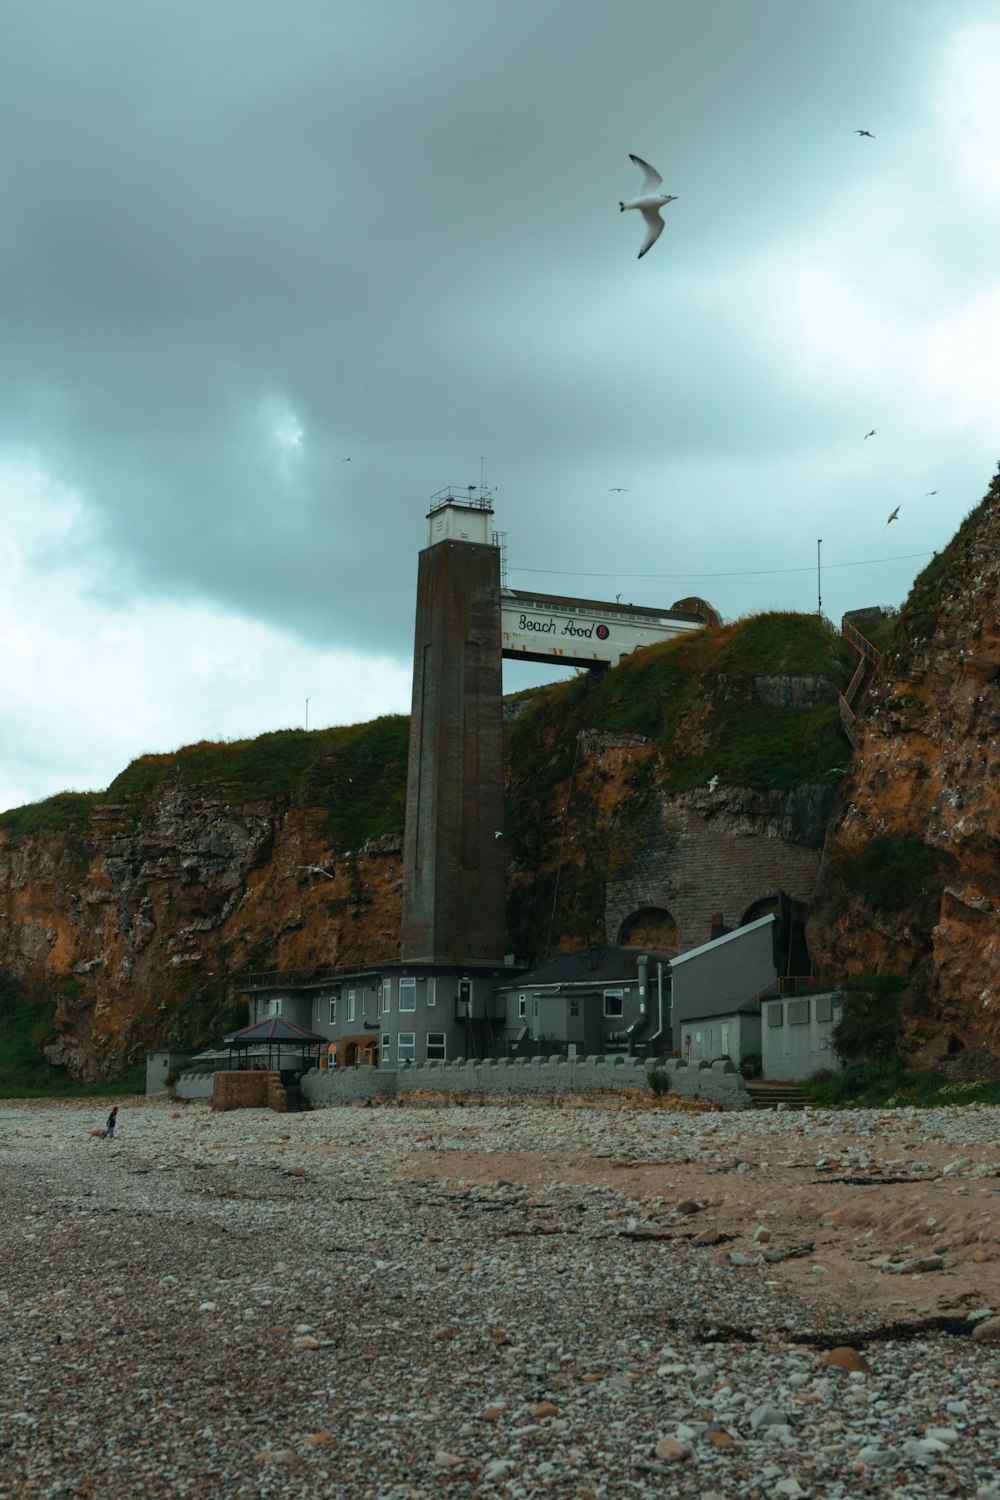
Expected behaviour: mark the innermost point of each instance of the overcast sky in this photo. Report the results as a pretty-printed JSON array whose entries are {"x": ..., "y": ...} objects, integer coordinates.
[{"x": 243, "y": 242}]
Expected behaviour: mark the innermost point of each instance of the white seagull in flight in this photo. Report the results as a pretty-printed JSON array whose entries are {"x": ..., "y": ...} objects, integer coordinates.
[{"x": 649, "y": 202}]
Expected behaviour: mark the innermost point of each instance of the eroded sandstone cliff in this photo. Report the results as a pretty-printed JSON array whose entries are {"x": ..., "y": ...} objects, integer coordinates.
[
  {"x": 911, "y": 882},
  {"x": 689, "y": 784}
]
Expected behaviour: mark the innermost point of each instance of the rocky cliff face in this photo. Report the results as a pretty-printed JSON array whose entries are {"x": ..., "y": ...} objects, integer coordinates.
[
  {"x": 911, "y": 882},
  {"x": 697, "y": 781},
  {"x": 145, "y": 934}
]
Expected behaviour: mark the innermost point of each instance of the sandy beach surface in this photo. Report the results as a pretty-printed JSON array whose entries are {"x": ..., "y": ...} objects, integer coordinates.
[{"x": 517, "y": 1299}]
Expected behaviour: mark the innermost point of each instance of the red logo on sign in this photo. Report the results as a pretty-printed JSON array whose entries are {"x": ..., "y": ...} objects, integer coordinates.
[{"x": 603, "y": 632}]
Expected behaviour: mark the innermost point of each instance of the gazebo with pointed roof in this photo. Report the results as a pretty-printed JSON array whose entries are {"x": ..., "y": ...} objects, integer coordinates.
[{"x": 277, "y": 1036}]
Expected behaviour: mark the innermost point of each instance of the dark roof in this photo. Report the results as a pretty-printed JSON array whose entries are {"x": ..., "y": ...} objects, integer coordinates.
[
  {"x": 274, "y": 1029},
  {"x": 592, "y": 966}
]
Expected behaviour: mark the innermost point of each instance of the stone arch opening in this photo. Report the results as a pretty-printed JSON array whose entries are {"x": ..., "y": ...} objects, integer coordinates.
[
  {"x": 649, "y": 927},
  {"x": 766, "y": 906},
  {"x": 791, "y": 951}
]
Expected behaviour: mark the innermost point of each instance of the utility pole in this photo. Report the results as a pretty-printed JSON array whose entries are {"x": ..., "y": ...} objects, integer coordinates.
[{"x": 819, "y": 586}]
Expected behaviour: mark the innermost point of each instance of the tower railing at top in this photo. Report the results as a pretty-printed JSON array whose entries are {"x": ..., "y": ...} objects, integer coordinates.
[{"x": 471, "y": 496}]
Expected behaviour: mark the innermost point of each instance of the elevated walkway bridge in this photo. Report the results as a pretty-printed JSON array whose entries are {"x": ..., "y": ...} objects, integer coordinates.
[{"x": 583, "y": 632}]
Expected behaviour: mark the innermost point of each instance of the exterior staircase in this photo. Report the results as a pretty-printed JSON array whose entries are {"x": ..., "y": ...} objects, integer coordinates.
[
  {"x": 767, "y": 1095},
  {"x": 869, "y": 658}
]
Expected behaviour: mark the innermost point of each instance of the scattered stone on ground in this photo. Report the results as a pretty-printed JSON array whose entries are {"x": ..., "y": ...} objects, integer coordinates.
[{"x": 500, "y": 1300}]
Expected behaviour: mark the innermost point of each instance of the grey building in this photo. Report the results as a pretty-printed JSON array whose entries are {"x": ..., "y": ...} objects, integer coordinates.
[
  {"x": 392, "y": 1013},
  {"x": 603, "y": 1002},
  {"x": 717, "y": 992},
  {"x": 797, "y": 1034}
]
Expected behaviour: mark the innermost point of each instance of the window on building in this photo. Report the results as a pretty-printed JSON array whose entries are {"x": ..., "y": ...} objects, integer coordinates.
[
  {"x": 824, "y": 1007},
  {"x": 798, "y": 1012},
  {"x": 406, "y": 1046},
  {"x": 574, "y": 1007},
  {"x": 614, "y": 1004},
  {"x": 432, "y": 986},
  {"x": 435, "y": 1046},
  {"x": 274, "y": 1007},
  {"x": 352, "y": 998},
  {"x": 522, "y": 1007},
  {"x": 333, "y": 1010},
  {"x": 407, "y": 994},
  {"x": 386, "y": 1006},
  {"x": 534, "y": 1006},
  {"x": 386, "y": 1046},
  {"x": 775, "y": 1014}
]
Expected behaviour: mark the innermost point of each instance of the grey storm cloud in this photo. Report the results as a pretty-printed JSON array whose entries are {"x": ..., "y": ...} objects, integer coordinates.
[{"x": 242, "y": 241}]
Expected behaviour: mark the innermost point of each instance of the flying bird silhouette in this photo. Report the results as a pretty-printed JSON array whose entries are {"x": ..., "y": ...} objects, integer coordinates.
[
  {"x": 345, "y": 460},
  {"x": 713, "y": 783},
  {"x": 865, "y": 132},
  {"x": 870, "y": 434},
  {"x": 616, "y": 489},
  {"x": 649, "y": 202},
  {"x": 316, "y": 870},
  {"x": 930, "y": 492},
  {"x": 893, "y": 516}
]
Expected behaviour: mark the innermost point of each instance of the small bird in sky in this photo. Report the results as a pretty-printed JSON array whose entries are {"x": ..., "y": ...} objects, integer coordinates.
[
  {"x": 930, "y": 492},
  {"x": 865, "y": 132},
  {"x": 870, "y": 434},
  {"x": 649, "y": 202},
  {"x": 345, "y": 460},
  {"x": 893, "y": 516},
  {"x": 616, "y": 489},
  {"x": 713, "y": 783}
]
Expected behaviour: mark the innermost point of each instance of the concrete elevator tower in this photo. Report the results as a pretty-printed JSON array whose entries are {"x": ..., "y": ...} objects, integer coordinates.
[{"x": 453, "y": 886}]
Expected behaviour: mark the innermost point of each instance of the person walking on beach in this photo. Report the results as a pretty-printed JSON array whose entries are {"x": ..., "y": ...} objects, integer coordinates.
[{"x": 111, "y": 1123}]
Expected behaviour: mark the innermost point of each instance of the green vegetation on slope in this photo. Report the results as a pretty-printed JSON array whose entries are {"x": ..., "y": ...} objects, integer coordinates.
[
  {"x": 695, "y": 701},
  {"x": 943, "y": 576},
  {"x": 26, "y": 1026},
  {"x": 891, "y": 1085},
  {"x": 356, "y": 775},
  {"x": 694, "y": 698},
  {"x": 65, "y": 812}
]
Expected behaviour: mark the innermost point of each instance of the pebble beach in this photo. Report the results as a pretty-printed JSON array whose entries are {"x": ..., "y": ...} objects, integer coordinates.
[{"x": 426, "y": 1299}]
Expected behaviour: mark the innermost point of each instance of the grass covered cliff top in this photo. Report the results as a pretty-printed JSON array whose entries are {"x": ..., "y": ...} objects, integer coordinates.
[
  {"x": 694, "y": 697},
  {"x": 945, "y": 575},
  {"x": 700, "y": 700}
]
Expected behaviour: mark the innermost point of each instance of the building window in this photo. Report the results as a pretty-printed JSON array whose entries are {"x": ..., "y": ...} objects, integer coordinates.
[
  {"x": 386, "y": 1046},
  {"x": 614, "y": 1004},
  {"x": 824, "y": 1007},
  {"x": 534, "y": 1006},
  {"x": 775, "y": 1014},
  {"x": 435, "y": 1046},
  {"x": 333, "y": 1011},
  {"x": 351, "y": 1003},
  {"x": 522, "y": 1007},
  {"x": 406, "y": 1046},
  {"x": 407, "y": 994},
  {"x": 432, "y": 986},
  {"x": 574, "y": 1007},
  {"x": 798, "y": 1012},
  {"x": 274, "y": 1007},
  {"x": 386, "y": 996}
]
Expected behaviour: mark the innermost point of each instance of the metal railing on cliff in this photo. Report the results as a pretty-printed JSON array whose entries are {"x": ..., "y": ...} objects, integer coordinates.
[{"x": 869, "y": 657}]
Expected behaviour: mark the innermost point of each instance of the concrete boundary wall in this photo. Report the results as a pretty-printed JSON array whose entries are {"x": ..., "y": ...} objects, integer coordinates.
[
  {"x": 716, "y": 1081},
  {"x": 194, "y": 1086}
]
